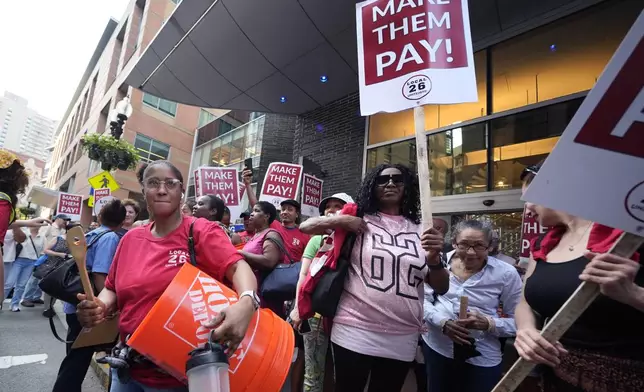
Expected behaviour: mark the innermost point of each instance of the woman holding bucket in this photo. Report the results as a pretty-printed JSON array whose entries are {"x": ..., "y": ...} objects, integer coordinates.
[
  {"x": 380, "y": 313},
  {"x": 147, "y": 260}
]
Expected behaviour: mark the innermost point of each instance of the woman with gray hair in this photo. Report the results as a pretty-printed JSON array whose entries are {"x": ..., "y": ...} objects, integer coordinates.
[{"x": 486, "y": 282}]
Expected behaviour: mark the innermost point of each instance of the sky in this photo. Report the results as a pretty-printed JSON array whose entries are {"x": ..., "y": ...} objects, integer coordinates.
[{"x": 45, "y": 46}]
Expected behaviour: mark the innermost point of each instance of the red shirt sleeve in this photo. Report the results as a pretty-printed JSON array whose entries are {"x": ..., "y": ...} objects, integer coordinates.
[
  {"x": 5, "y": 216},
  {"x": 110, "y": 281},
  {"x": 215, "y": 252}
]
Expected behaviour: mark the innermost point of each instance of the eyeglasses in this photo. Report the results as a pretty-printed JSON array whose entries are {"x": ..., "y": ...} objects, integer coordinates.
[
  {"x": 396, "y": 179},
  {"x": 466, "y": 247},
  {"x": 170, "y": 184}
]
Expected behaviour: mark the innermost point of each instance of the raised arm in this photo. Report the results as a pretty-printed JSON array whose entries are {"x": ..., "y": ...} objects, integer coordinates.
[
  {"x": 247, "y": 177},
  {"x": 325, "y": 224}
]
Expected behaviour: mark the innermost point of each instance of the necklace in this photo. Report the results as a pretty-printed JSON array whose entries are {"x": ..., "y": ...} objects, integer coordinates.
[{"x": 571, "y": 248}]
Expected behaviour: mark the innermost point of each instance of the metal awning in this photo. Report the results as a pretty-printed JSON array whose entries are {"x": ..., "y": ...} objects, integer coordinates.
[
  {"x": 254, "y": 54},
  {"x": 43, "y": 197}
]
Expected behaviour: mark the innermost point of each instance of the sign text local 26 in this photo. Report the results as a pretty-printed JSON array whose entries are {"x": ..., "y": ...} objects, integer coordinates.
[{"x": 414, "y": 52}]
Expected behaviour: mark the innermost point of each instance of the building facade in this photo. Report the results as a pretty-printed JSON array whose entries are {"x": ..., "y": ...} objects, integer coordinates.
[
  {"x": 535, "y": 62},
  {"x": 158, "y": 128},
  {"x": 24, "y": 130}
]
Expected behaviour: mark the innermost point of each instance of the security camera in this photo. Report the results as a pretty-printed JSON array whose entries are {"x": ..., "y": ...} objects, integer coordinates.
[{"x": 488, "y": 202}]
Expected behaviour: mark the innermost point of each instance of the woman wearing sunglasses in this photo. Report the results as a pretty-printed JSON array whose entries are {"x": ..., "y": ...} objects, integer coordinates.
[
  {"x": 147, "y": 260},
  {"x": 604, "y": 349},
  {"x": 380, "y": 314},
  {"x": 450, "y": 341}
]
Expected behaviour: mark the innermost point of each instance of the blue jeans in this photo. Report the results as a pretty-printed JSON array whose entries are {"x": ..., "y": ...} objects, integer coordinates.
[
  {"x": 444, "y": 374},
  {"x": 32, "y": 291},
  {"x": 133, "y": 386},
  {"x": 18, "y": 278}
]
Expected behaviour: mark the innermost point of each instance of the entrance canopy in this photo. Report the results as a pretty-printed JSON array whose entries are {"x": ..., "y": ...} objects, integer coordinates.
[{"x": 283, "y": 56}]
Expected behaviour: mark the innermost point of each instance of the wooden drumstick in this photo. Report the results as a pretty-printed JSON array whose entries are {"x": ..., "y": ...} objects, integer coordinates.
[
  {"x": 462, "y": 312},
  {"x": 78, "y": 248}
]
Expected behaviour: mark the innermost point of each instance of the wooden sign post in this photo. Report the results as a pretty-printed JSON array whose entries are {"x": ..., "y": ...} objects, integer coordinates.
[{"x": 422, "y": 164}]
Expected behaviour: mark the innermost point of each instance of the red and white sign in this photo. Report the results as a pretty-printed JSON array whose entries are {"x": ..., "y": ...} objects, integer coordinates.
[
  {"x": 311, "y": 195},
  {"x": 414, "y": 52},
  {"x": 222, "y": 182},
  {"x": 282, "y": 182},
  {"x": 596, "y": 170},
  {"x": 530, "y": 229},
  {"x": 70, "y": 205},
  {"x": 101, "y": 197}
]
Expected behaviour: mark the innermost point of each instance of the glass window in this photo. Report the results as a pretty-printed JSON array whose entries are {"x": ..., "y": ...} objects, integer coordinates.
[
  {"x": 525, "y": 139},
  {"x": 561, "y": 58},
  {"x": 390, "y": 126},
  {"x": 224, "y": 127},
  {"x": 150, "y": 149},
  {"x": 403, "y": 153},
  {"x": 458, "y": 161},
  {"x": 205, "y": 117},
  {"x": 163, "y": 105},
  {"x": 237, "y": 146}
]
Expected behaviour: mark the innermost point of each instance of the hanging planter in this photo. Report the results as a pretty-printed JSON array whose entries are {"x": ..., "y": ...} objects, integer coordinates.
[{"x": 110, "y": 152}]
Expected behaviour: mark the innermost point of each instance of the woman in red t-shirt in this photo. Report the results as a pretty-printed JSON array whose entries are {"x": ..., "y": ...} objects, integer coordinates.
[
  {"x": 147, "y": 260},
  {"x": 13, "y": 182}
]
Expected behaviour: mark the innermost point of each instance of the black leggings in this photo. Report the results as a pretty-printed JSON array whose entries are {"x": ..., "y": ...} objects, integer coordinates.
[{"x": 353, "y": 369}]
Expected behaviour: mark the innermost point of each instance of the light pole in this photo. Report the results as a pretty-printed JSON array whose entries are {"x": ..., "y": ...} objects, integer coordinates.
[{"x": 122, "y": 111}]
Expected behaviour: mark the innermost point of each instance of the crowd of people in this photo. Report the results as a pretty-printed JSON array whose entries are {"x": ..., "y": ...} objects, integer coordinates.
[{"x": 400, "y": 309}]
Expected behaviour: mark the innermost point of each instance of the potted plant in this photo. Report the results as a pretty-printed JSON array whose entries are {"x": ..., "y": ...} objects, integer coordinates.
[
  {"x": 110, "y": 152},
  {"x": 27, "y": 211}
]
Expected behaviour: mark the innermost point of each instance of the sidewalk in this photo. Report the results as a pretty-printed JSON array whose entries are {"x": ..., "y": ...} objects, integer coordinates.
[{"x": 101, "y": 371}]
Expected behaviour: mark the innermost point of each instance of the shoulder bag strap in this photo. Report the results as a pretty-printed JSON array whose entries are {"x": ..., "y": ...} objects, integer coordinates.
[
  {"x": 191, "y": 244},
  {"x": 52, "y": 325},
  {"x": 33, "y": 245},
  {"x": 280, "y": 246}
]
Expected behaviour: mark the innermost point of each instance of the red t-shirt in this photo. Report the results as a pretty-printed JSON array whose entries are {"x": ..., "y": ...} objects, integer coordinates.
[
  {"x": 5, "y": 218},
  {"x": 144, "y": 266},
  {"x": 294, "y": 240}
]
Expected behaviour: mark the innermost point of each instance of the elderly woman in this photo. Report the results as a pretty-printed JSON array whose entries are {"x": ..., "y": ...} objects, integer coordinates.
[{"x": 485, "y": 281}]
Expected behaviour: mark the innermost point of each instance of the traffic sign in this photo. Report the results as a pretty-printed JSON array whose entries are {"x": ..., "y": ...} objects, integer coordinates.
[{"x": 103, "y": 180}]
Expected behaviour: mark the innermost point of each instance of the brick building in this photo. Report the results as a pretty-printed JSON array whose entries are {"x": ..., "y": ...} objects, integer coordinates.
[
  {"x": 158, "y": 128},
  {"x": 535, "y": 62}
]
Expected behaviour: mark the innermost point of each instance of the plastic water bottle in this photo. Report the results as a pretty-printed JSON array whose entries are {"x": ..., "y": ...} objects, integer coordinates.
[{"x": 207, "y": 369}]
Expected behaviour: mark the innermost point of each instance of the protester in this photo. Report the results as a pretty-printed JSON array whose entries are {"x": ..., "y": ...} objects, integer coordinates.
[
  {"x": 102, "y": 244},
  {"x": 32, "y": 245},
  {"x": 14, "y": 179},
  {"x": 213, "y": 208},
  {"x": 142, "y": 260},
  {"x": 249, "y": 231},
  {"x": 380, "y": 314},
  {"x": 132, "y": 209},
  {"x": 262, "y": 252},
  {"x": 225, "y": 219},
  {"x": 59, "y": 223},
  {"x": 294, "y": 240},
  {"x": 315, "y": 343},
  {"x": 604, "y": 349},
  {"x": 186, "y": 208},
  {"x": 486, "y": 282},
  {"x": 93, "y": 226},
  {"x": 494, "y": 251}
]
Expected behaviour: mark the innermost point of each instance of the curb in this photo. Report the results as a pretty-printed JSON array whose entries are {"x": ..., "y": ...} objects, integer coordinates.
[{"x": 102, "y": 371}]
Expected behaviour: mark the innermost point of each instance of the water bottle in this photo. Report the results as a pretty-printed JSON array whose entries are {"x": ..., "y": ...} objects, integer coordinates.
[{"x": 207, "y": 369}]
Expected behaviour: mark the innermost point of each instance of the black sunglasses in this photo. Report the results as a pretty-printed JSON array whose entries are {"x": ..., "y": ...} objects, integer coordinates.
[{"x": 396, "y": 179}]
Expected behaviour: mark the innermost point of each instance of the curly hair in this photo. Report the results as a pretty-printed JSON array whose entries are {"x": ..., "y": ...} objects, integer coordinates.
[
  {"x": 410, "y": 207},
  {"x": 14, "y": 181},
  {"x": 140, "y": 171}
]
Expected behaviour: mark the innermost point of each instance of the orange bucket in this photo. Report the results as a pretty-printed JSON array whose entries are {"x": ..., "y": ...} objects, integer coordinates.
[{"x": 173, "y": 328}]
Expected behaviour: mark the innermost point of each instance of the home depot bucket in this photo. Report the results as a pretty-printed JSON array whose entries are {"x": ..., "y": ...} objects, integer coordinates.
[{"x": 173, "y": 328}]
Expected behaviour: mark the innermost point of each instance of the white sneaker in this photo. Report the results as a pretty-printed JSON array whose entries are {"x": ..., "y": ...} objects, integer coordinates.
[{"x": 15, "y": 308}]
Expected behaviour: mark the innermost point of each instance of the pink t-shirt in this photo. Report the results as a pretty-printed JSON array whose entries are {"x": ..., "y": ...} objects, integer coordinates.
[{"x": 383, "y": 297}]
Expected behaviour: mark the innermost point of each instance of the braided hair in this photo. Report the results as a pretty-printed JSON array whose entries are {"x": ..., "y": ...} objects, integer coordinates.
[{"x": 410, "y": 203}]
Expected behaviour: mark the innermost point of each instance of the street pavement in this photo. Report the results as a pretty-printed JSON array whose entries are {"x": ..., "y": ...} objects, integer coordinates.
[{"x": 27, "y": 333}]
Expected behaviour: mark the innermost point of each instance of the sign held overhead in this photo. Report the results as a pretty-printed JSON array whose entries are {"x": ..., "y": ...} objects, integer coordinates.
[
  {"x": 70, "y": 205},
  {"x": 282, "y": 182},
  {"x": 311, "y": 195},
  {"x": 414, "y": 52}
]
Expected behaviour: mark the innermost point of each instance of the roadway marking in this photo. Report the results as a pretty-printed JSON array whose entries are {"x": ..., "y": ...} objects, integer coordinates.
[{"x": 9, "y": 361}]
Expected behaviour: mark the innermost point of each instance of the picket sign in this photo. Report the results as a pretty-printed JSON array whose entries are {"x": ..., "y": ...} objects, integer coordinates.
[{"x": 605, "y": 134}]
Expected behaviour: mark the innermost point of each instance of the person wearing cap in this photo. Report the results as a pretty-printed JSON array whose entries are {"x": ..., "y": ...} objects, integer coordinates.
[
  {"x": 295, "y": 240},
  {"x": 249, "y": 230},
  {"x": 59, "y": 222},
  {"x": 316, "y": 343}
]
